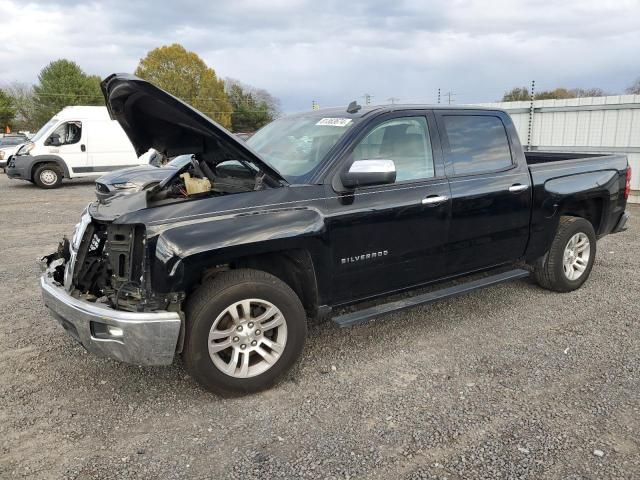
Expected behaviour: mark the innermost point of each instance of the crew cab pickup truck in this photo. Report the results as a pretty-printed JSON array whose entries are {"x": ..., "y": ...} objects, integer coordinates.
[{"x": 226, "y": 260}]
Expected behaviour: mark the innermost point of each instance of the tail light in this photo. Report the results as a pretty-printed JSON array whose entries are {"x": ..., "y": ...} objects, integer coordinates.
[{"x": 627, "y": 185}]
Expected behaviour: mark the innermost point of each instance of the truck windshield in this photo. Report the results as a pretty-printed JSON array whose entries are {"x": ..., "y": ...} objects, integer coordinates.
[
  {"x": 296, "y": 145},
  {"x": 44, "y": 129}
]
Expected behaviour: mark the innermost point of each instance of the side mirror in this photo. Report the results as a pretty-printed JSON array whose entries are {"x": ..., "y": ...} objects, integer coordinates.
[
  {"x": 369, "y": 172},
  {"x": 54, "y": 140}
]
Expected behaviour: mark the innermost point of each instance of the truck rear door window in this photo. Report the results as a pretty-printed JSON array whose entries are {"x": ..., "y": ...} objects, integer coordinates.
[{"x": 477, "y": 144}]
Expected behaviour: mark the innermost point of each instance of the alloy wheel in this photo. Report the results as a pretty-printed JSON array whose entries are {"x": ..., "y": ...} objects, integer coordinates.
[{"x": 247, "y": 338}]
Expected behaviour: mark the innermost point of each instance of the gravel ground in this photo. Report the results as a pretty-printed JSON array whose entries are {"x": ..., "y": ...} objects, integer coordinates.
[{"x": 509, "y": 382}]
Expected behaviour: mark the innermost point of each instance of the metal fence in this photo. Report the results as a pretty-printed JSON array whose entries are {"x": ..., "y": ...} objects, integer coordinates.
[{"x": 594, "y": 124}]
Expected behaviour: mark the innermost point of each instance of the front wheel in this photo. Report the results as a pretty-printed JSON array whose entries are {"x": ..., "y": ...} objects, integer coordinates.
[
  {"x": 568, "y": 263},
  {"x": 245, "y": 329},
  {"x": 47, "y": 176}
]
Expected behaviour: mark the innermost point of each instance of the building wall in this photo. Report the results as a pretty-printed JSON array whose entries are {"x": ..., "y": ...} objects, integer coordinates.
[{"x": 608, "y": 124}]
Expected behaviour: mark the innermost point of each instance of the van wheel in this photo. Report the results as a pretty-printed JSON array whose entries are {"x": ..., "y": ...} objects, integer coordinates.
[
  {"x": 568, "y": 263},
  {"x": 245, "y": 329},
  {"x": 47, "y": 176}
]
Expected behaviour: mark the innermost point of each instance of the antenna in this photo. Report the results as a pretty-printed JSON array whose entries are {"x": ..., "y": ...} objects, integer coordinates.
[{"x": 353, "y": 107}]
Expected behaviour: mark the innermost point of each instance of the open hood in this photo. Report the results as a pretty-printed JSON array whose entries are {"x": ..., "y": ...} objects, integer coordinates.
[{"x": 153, "y": 118}]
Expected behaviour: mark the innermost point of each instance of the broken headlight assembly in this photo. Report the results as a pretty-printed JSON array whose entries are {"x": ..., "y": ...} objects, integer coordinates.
[{"x": 127, "y": 186}]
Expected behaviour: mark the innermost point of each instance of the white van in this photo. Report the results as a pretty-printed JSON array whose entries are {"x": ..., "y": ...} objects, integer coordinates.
[{"x": 77, "y": 142}]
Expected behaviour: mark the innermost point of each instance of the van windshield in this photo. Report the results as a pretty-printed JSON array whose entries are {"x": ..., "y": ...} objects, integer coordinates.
[
  {"x": 296, "y": 145},
  {"x": 44, "y": 129}
]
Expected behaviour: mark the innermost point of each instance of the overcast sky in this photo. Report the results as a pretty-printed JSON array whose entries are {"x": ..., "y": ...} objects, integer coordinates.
[{"x": 335, "y": 51}]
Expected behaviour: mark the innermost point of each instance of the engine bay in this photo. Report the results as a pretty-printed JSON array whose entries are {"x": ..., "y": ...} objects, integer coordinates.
[{"x": 204, "y": 177}]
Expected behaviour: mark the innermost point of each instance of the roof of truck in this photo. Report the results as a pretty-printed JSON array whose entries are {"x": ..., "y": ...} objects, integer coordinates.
[
  {"x": 365, "y": 110},
  {"x": 82, "y": 112}
]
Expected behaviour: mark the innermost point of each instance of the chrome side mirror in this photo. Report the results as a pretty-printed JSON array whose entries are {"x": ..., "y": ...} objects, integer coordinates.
[{"x": 369, "y": 172}]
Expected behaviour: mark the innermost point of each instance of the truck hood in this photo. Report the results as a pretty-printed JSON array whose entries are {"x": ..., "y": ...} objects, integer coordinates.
[
  {"x": 142, "y": 175},
  {"x": 153, "y": 118},
  {"x": 118, "y": 205}
]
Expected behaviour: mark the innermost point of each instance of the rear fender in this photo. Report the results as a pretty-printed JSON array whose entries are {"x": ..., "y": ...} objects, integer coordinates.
[{"x": 586, "y": 195}]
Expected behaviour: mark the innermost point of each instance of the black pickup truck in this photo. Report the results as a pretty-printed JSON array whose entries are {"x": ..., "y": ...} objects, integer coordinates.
[{"x": 226, "y": 260}]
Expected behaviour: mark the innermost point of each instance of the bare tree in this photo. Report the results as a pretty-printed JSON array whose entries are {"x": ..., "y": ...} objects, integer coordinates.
[
  {"x": 259, "y": 94},
  {"x": 588, "y": 92},
  {"x": 22, "y": 96},
  {"x": 634, "y": 88}
]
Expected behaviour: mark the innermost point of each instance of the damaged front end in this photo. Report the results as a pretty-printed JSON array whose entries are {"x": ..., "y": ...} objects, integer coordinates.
[
  {"x": 94, "y": 284},
  {"x": 104, "y": 263}
]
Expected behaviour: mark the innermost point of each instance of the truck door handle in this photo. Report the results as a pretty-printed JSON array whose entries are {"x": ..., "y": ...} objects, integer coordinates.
[
  {"x": 433, "y": 200},
  {"x": 515, "y": 188},
  {"x": 83, "y": 147}
]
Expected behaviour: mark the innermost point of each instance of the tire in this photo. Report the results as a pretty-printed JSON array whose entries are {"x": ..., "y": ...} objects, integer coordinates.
[
  {"x": 47, "y": 176},
  {"x": 550, "y": 270},
  {"x": 209, "y": 325}
]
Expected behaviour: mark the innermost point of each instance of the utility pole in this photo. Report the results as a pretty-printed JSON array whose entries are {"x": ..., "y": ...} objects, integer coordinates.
[
  {"x": 531, "y": 110},
  {"x": 449, "y": 95},
  {"x": 393, "y": 100},
  {"x": 438, "y": 96},
  {"x": 367, "y": 98}
]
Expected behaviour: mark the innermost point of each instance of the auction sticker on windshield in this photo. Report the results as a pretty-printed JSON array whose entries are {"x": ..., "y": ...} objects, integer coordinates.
[{"x": 335, "y": 122}]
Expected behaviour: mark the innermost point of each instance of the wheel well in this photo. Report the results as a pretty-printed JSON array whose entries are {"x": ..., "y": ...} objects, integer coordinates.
[
  {"x": 590, "y": 210},
  {"x": 294, "y": 267}
]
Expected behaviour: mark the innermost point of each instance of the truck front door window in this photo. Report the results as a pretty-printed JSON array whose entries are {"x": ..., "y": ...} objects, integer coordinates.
[
  {"x": 404, "y": 140},
  {"x": 67, "y": 133},
  {"x": 477, "y": 144}
]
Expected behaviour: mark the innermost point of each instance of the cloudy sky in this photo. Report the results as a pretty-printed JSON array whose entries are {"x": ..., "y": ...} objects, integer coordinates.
[{"x": 335, "y": 51}]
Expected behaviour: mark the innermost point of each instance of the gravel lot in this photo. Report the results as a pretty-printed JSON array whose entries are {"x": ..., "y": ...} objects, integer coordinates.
[{"x": 509, "y": 382}]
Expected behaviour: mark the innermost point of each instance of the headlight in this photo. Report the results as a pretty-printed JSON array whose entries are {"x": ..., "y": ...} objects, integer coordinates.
[
  {"x": 127, "y": 185},
  {"x": 164, "y": 250},
  {"x": 25, "y": 149}
]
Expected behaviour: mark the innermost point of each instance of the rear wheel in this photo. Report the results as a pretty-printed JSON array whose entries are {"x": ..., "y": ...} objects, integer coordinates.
[
  {"x": 245, "y": 329},
  {"x": 47, "y": 176},
  {"x": 568, "y": 263}
]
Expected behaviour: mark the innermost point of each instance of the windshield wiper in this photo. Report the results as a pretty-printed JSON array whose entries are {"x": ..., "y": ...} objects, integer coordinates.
[{"x": 265, "y": 178}]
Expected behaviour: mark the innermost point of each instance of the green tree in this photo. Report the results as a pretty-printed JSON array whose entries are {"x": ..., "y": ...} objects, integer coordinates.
[
  {"x": 517, "y": 94},
  {"x": 252, "y": 108},
  {"x": 558, "y": 93},
  {"x": 185, "y": 75},
  {"x": 63, "y": 83},
  {"x": 7, "y": 111}
]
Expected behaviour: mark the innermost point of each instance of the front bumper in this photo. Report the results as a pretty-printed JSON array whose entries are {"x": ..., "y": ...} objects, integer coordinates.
[
  {"x": 18, "y": 168},
  {"x": 140, "y": 338}
]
